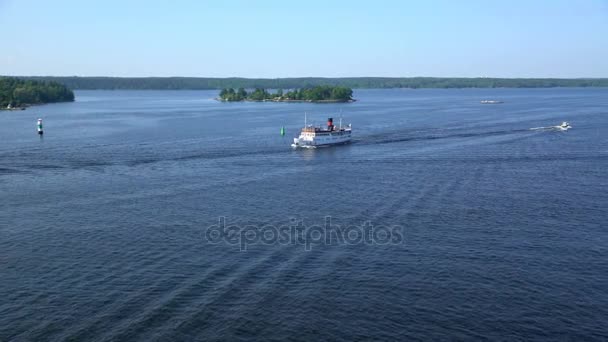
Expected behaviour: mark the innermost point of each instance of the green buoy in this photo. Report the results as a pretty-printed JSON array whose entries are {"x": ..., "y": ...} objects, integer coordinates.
[
  {"x": 283, "y": 131},
  {"x": 39, "y": 127}
]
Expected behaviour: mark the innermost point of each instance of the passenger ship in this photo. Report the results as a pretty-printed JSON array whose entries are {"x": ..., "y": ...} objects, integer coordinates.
[{"x": 311, "y": 137}]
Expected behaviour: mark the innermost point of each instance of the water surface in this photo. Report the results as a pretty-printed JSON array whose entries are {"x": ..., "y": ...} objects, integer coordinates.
[{"x": 103, "y": 220}]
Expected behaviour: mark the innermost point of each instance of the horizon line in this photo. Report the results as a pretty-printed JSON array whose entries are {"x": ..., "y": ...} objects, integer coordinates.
[{"x": 317, "y": 77}]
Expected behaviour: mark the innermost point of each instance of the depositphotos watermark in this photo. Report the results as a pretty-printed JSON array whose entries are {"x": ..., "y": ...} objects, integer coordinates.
[{"x": 297, "y": 233}]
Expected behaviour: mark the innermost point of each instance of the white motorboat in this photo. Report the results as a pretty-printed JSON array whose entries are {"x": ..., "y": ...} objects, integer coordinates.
[{"x": 564, "y": 126}]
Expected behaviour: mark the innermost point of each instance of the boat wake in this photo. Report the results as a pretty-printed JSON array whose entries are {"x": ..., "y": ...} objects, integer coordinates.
[
  {"x": 561, "y": 128},
  {"x": 548, "y": 128},
  {"x": 396, "y": 137},
  {"x": 452, "y": 133},
  {"x": 110, "y": 155}
]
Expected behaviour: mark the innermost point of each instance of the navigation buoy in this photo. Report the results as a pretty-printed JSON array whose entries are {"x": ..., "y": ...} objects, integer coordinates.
[
  {"x": 39, "y": 126},
  {"x": 283, "y": 131}
]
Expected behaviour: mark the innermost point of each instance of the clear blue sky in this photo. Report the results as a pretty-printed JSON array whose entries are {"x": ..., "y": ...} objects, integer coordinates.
[{"x": 531, "y": 38}]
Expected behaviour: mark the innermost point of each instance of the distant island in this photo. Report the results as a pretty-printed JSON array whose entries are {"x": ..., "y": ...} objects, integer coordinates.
[
  {"x": 204, "y": 83},
  {"x": 18, "y": 93},
  {"x": 326, "y": 94}
]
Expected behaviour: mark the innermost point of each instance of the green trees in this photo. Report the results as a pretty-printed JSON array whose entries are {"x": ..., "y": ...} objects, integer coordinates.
[
  {"x": 259, "y": 94},
  {"x": 293, "y": 95},
  {"x": 341, "y": 93},
  {"x": 228, "y": 94},
  {"x": 18, "y": 92},
  {"x": 311, "y": 94},
  {"x": 321, "y": 93},
  {"x": 309, "y": 82}
]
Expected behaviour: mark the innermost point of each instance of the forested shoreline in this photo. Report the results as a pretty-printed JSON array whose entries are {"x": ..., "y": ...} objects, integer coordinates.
[
  {"x": 202, "y": 83},
  {"x": 19, "y": 93},
  {"x": 313, "y": 94}
]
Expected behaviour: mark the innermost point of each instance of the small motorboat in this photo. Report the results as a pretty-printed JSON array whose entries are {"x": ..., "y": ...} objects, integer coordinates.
[{"x": 564, "y": 126}]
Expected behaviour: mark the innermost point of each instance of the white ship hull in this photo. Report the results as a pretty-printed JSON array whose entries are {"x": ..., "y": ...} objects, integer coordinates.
[
  {"x": 311, "y": 137},
  {"x": 331, "y": 138}
]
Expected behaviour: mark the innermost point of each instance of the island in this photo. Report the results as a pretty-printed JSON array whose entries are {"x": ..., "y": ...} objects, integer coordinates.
[
  {"x": 318, "y": 94},
  {"x": 17, "y": 94}
]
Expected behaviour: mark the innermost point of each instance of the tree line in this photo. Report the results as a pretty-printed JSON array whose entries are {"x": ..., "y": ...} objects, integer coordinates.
[
  {"x": 200, "y": 83},
  {"x": 18, "y": 92},
  {"x": 312, "y": 94}
]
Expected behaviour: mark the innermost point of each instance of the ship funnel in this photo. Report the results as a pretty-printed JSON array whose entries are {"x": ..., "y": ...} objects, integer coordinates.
[{"x": 330, "y": 124}]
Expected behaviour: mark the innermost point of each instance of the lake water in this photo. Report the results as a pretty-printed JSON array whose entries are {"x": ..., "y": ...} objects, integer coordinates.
[{"x": 110, "y": 225}]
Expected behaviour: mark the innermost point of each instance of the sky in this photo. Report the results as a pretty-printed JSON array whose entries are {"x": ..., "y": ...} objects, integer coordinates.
[{"x": 311, "y": 38}]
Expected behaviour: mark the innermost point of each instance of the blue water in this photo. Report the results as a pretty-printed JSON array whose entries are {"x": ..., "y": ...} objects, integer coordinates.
[{"x": 104, "y": 220}]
